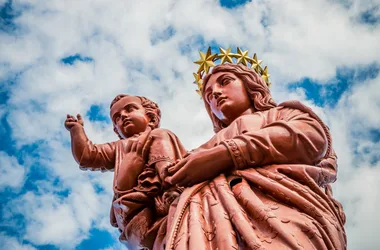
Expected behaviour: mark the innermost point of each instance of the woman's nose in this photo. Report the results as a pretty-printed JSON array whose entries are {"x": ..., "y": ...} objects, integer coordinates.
[{"x": 216, "y": 93}]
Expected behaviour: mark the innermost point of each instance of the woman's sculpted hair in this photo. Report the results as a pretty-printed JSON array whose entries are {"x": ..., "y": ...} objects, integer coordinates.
[
  {"x": 255, "y": 86},
  {"x": 151, "y": 110}
]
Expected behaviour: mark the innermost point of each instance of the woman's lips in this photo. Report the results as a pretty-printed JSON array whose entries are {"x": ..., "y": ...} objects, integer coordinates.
[{"x": 220, "y": 101}]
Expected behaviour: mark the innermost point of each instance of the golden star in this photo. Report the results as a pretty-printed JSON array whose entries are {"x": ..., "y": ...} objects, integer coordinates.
[
  {"x": 199, "y": 92},
  {"x": 242, "y": 57},
  {"x": 225, "y": 55},
  {"x": 206, "y": 61},
  {"x": 198, "y": 80},
  {"x": 265, "y": 75},
  {"x": 256, "y": 64}
]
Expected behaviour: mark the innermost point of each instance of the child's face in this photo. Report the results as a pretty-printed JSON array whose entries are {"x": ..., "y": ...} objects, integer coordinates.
[{"x": 128, "y": 116}]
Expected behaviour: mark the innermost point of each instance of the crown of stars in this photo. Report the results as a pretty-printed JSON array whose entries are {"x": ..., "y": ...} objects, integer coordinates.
[{"x": 225, "y": 56}]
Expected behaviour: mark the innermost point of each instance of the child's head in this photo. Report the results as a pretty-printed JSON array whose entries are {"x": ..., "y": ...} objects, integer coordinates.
[{"x": 131, "y": 115}]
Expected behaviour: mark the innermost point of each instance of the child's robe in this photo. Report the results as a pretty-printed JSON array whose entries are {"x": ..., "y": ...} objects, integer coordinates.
[{"x": 139, "y": 212}]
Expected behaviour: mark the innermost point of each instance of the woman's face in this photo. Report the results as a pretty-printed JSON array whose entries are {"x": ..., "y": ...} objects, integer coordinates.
[{"x": 227, "y": 97}]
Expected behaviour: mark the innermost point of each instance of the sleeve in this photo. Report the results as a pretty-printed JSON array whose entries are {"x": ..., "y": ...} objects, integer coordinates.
[
  {"x": 292, "y": 136},
  {"x": 98, "y": 156},
  {"x": 162, "y": 151}
]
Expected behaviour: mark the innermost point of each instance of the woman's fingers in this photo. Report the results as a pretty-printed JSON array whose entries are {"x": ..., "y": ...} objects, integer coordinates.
[
  {"x": 177, "y": 177},
  {"x": 165, "y": 172},
  {"x": 173, "y": 169},
  {"x": 186, "y": 154}
]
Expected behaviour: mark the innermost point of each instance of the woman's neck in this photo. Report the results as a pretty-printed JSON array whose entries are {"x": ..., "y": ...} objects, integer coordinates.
[{"x": 228, "y": 120}]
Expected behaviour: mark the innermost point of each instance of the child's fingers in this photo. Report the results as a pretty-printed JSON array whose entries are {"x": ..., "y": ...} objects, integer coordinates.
[
  {"x": 129, "y": 146},
  {"x": 70, "y": 119},
  {"x": 144, "y": 136},
  {"x": 144, "y": 141},
  {"x": 134, "y": 146},
  {"x": 80, "y": 119},
  {"x": 146, "y": 147}
]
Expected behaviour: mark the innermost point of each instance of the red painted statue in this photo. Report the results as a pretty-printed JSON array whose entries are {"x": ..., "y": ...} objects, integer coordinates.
[{"x": 262, "y": 182}]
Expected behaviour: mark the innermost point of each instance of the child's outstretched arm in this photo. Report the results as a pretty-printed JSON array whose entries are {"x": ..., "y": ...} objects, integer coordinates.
[{"x": 88, "y": 155}]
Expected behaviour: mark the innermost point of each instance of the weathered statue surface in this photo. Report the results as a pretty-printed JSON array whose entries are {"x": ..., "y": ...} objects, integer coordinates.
[{"x": 262, "y": 182}]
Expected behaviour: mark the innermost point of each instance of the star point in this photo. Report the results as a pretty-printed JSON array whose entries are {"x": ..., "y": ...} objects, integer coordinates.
[
  {"x": 256, "y": 64},
  {"x": 225, "y": 55},
  {"x": 206, "y": 61},
  {"x": 242, "y": 57},
  {"x": 265, "y": 75},
  {"x": 198, "y": 80}
]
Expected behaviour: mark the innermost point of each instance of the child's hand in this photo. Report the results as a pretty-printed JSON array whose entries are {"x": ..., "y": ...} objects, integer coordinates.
[
  {"x": 71, "y": 121},
  {"x": 137, "y": 150}
]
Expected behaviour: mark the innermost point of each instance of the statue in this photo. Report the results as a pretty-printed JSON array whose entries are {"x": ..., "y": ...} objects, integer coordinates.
[
  {"x": 262, "y": 182},
  {"x": 138, "y": 159}
]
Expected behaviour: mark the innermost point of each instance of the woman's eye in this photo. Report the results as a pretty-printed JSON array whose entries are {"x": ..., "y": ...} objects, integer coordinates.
[{"x": 225, "y": 81}]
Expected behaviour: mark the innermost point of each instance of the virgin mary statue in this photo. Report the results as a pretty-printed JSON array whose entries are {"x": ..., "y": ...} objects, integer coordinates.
[{"x": 262, "y": 181}]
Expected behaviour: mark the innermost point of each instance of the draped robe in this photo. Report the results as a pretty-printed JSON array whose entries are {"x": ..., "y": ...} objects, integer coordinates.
[
  {"x": 278, "y": 195},
  {"x": 141, "y": 211},
  {"x": 279, "y": 198}
]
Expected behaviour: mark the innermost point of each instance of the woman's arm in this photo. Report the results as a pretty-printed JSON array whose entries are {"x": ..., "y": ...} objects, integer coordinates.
[{"x": 295, "y": 137}]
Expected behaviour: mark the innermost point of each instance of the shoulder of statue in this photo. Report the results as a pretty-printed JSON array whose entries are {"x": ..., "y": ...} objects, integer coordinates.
[
  {"x": 161, "y": 132},
  {"x": 297, "y": 105}
]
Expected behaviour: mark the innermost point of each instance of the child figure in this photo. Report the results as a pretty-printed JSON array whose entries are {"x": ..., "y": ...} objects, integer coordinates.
[{"x": 139, "y": 160}]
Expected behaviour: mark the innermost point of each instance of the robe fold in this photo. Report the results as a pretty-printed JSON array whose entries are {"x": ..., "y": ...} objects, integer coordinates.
[{"x": 277, "y": 197}]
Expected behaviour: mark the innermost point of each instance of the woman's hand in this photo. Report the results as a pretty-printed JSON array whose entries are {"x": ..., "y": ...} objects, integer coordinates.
[{"x": 200, "y": 166}]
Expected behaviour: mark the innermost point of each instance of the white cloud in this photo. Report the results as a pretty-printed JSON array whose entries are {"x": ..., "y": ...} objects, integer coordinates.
[
  {"x": 357, "y": 186},
  {"x": 65, "y": 222},
  {"x": 12, "y": 174},
  {"x": 296, "y": 39},
  {"x": 11, "y": 243},
  {"x": 365, "y": 103}
]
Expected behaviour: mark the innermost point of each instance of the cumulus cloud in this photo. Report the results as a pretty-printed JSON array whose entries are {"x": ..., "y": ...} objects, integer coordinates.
[
  {"x": 12, "y": 174},
  {"x": 352, "y": 122},
  {"x": 12, "y": 243},
  {"x": 147, "y": 48}
]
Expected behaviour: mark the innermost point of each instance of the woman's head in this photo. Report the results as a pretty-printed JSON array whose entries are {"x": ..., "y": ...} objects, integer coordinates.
[{"x": 223, "y": 100}]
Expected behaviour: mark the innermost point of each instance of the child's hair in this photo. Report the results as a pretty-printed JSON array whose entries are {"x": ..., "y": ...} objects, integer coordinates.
[{"x": 151, "y": 110}]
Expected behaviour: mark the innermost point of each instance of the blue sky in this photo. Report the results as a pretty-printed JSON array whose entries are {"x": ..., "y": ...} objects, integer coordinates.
[{"x": 59, "y": 57}]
